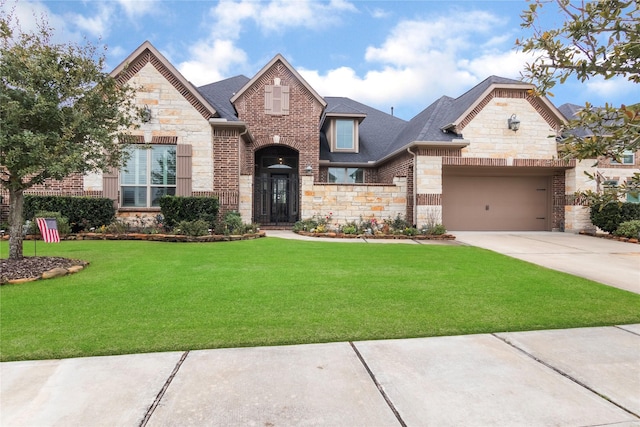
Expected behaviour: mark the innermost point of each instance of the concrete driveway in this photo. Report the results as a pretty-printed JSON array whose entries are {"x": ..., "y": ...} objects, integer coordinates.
[{"x": 606, "y": 261}]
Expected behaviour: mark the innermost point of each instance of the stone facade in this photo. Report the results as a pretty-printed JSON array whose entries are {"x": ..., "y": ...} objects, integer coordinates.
[{"x": 348, "y": 203}]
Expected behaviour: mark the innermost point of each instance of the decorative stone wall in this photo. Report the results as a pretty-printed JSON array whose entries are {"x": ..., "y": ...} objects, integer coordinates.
[
  {"x": 351, "y": 202},
  {"x": 576, "y": 215}
]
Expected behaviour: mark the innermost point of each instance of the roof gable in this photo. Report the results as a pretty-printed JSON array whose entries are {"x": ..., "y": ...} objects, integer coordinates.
[
  {"x": 146, "y": 53},
  {"x": 464, "y": 108},
  {"x": 266, "y": 68}
]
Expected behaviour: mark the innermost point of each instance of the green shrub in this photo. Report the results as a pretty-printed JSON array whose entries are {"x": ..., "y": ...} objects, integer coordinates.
[
  {"x": 350, "y": 228},
  {"x": 609, "y": 216},
  {"x": 83, "y": 213},
  {"x": 434, "y": 230},
  {"x": 195, "y": 228},
  {"x": 306, "y": 225},
  {"x": 629, "y": 229},
  {"x": 176, "y": 209},
  {"x": 398, "y": 225},
  {"x": 233, "y": 223},
  {"x": 410, "y": 231}
]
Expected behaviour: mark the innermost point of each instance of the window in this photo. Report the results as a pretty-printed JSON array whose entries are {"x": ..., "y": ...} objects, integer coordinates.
[
  {"x": 346, "y": 175},
  {"x": 633, "y": 194},
  {"x": 345, "y": 135},
  {"x": 149, "y": 174},
  {"x": 627, "y": 158}
]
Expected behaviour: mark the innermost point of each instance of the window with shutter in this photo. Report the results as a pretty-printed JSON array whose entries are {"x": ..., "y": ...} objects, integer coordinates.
[
  {"x": 276, "y": 100},
  {"x": 149, "y": 174}
]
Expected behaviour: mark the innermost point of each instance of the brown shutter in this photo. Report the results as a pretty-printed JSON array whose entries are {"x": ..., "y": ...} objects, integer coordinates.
[
  {"x": 268, "y": 99},
  {"x": 285, "y": 100},
  {"x": 110, "y": 185},
  {"x": 183, "y": 170}
]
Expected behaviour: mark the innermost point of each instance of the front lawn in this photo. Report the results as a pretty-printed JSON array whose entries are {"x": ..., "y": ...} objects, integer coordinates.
[{"x": 151, "y": 296}]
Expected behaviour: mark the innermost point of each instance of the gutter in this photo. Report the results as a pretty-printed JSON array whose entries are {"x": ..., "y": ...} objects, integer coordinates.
[{"x": 224, "y": 123}]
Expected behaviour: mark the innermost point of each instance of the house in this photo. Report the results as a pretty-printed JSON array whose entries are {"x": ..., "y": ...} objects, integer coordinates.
[{"x": 273, "y": 149}]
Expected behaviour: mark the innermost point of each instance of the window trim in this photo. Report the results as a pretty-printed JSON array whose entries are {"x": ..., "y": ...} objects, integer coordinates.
[
  {"x": 625, "y": 154},
  {"x": 149, "y": 185},
  {"x": 333, "y": 131},
  {"x": 344, "y": 172}
]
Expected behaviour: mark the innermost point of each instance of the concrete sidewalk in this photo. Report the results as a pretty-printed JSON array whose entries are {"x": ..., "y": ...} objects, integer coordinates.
[{"x": 575, "y": 377}]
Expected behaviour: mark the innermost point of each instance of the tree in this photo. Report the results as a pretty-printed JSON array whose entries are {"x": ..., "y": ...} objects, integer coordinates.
[
  {"x": 597, "y": 38},
  {"x": 60, "y": 114}
]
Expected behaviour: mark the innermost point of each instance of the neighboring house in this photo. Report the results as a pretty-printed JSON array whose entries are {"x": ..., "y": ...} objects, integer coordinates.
[{"x": 275, "y": 150}]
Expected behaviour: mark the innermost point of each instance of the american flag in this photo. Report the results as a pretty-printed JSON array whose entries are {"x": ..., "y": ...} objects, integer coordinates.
[{"x": 49, "y": 229}]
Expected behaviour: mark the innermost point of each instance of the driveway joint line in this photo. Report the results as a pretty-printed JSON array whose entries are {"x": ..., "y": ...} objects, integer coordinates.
[
  {"x": 162, "y": 391},
  {"x": 564, "y": 374},
  {"x": 626, "y": 330},
  {"x": 378, "y": 385}
]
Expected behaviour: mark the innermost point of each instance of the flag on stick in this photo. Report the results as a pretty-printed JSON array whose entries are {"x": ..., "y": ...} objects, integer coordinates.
[{"x": 49, "y": 229}]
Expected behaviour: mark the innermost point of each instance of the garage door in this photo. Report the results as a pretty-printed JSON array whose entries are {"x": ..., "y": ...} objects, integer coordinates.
[{"x": 496, "y": 203}]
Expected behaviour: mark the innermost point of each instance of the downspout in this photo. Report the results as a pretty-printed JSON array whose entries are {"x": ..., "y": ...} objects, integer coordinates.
[
  {"x": 415, "y": 190},
  {"x": 240, "y": 161}
]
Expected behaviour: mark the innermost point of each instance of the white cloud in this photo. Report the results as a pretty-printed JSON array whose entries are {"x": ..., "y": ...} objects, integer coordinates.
[
  {"x": 137, "y": 8},
  {"x": 421, "y": 60},
  {"x": 228, "y": 16},
  {"x": 606, "y": 90},
  {"x": 31, "y": 14},
  {"x": 212, "y": 61},
  {"x": 217, "y": 55},
  {"x": 97, "y": 25}
]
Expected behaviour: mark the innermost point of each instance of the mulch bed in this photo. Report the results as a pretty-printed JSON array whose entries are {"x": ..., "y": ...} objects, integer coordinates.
[{"x": 33, "y": 267}]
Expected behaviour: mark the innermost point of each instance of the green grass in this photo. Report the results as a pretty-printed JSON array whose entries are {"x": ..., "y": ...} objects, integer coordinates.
[{"x": 152, "y": 296}]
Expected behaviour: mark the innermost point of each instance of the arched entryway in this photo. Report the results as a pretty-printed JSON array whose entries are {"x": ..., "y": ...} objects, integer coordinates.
[{"x": 276, "y": 190}]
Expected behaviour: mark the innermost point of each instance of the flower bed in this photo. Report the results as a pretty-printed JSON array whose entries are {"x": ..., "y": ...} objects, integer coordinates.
[
  {"x": 379, "y": 236},
  {"x": 158, "y": 237}
]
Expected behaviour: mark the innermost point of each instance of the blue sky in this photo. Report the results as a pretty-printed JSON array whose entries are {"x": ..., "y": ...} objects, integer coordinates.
[{"x": 401, "y": 54}]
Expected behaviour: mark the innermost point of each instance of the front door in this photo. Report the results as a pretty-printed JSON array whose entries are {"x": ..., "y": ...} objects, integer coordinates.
[
  {"x": 276, "y": 198},
  {"x": 279, "y": 198}
]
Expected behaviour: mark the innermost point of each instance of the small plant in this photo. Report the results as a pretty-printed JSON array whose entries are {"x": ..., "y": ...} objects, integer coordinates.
[
  {"x": 350, "y": 228},
  {"x": 433, "y": 230},
  {"x": 233, "y": 223},
  {"x": 117, "y": 227},
  {"x": 195, "y": 228},
  {"x": 305, "y": 225},
  {"x": 410, "y": 231},
  {"x": 630, "y": 229},
  {"x": 398, "y": 225}
]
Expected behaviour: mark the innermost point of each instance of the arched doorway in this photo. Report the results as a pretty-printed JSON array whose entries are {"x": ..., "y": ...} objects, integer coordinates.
[{"x": 276, "y": 194}]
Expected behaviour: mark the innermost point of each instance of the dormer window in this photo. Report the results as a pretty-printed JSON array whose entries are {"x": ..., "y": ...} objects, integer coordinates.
[
  {"x": 342, "y": 134},
  {"x": 345, "y": 133}
]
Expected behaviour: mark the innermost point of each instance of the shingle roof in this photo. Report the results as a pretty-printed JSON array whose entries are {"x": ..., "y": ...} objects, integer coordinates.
[
  {"x": 429, "y": 124},
  {"x": 219, "y": 94},
  {"x": 381, "y": 134},
  {"x": 376, "y": 131}
]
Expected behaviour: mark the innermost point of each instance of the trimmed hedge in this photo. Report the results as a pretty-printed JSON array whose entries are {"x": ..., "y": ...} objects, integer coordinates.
[
  {"x": 608, "y": 217},
  {"x": 176, "y": 209},
  {"x": 82, "y": 212}
]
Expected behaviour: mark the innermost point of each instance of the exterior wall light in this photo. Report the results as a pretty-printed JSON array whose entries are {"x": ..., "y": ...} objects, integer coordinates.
[
  {"x": 308, "y": 169},
  {"x": 513, "y": 123},
  {"x": 146, "y": 114}
]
